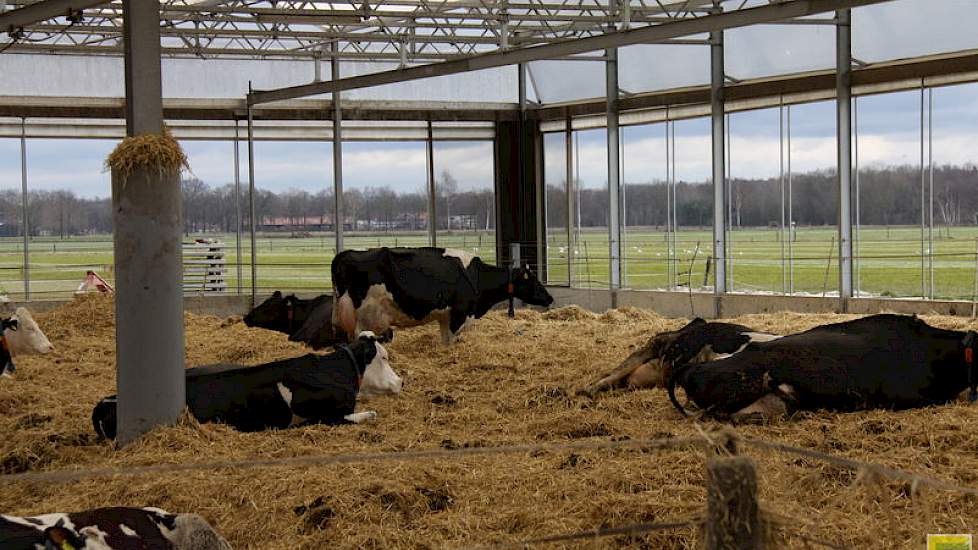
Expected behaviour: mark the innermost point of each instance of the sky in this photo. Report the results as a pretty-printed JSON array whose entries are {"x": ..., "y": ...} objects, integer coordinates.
[{"x": 889, "y": 125}]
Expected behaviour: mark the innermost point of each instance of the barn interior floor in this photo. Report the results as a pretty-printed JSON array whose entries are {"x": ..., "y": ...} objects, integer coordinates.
[{"x": 508, "y": 382}]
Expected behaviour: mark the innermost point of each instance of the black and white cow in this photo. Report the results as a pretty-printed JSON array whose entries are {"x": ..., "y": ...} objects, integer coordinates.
[
  {"x": 312, "y": 389},
  {"x": 23, "y": 337},
  {"x": 110, "y": 529},
  {"x": 880, "y": 361},
  {"x": 306, "y": 321},
  {"x": 382, "y": 288},
  {"x": 697, "y": 342}
]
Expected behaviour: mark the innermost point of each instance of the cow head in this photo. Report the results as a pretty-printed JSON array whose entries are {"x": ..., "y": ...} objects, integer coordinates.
[
  {"x": 378, "y": 376},
  {"x": 272, "y": 314},
  {"x": 529, "y": 289},
  {"x": 25, "y": 337}
]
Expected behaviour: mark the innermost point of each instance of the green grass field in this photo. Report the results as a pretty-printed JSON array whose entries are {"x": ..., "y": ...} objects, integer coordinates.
[{"x": 889, "y": 260}]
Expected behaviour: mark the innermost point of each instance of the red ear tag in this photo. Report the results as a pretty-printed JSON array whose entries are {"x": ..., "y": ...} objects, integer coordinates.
[
  {"x": 509, "y": 288},
  {"x": 969, "y": 355}
]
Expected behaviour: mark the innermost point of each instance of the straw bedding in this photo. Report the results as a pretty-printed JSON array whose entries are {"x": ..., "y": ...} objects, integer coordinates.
[{"x": 508, "y": 382}]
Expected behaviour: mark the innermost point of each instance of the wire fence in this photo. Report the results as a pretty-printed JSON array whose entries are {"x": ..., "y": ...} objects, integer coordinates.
[{"x": 723, "y": 443}]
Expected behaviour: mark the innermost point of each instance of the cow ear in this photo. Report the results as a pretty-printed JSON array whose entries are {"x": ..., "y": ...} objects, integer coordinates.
[{"x": 277, "y": 294}]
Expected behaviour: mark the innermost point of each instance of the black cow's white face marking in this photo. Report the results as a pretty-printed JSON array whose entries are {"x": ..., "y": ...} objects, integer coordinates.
[{"x": 379, "y": 378}]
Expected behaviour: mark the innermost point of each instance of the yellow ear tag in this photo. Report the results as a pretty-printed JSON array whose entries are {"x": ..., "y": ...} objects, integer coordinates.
[{"x": 526, "y": 276}]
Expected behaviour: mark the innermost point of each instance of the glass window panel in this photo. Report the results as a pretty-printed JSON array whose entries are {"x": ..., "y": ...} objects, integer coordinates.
[
  {"x": 910, "y": 28},
  {"x": 465, "y": 197},
  {"x": 69, "y": 212},
  {"x": 955, "y": 116},
  {"x": 768, "y": 50},
  {"x": 694, "y": 203},
  {"x": 647, "y": 214},
  {"x": 11, "y": 243},
  {"x": 565, "y": 80},
  {"x": 645, "y": 67},
  {"x": 592, "y": 254},
  {"x": 754, "y": 208},
  {"x": 555, "y": 197},
  {"x": 888, "y": 245},
  {"x": 813, "y": 251},
  {"x": 385, "y": 192},
  {"x": 294, "y": 237}
]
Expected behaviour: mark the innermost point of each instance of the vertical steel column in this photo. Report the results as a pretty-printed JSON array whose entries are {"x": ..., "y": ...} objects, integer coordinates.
[
  {"x": 784, "y": 264},
  {"x": 719, "y": 163},
  {"x": 147, "y": 234},
  {"x": 252, "y": 223},
  {"x": 338, "y": 214},
  {"x": 624, "y": 207},
  {"x": 569, "y": 160},
  {"x": 25, "y": 223},
  {"x": 792, "y": 227},
  {"x": 670, "y": 283},
  {"x": 843, "y": 131},
  {"x": 857, "y": 237},
  {"x": 923, "y": 215},
  {"x": 237, "y": 200},
  {"x": 432, "y": 206},
  {"x": 930, "y": 191},
  {"x": 614, "y": 177},
  {"x": 521, "y": 152}
]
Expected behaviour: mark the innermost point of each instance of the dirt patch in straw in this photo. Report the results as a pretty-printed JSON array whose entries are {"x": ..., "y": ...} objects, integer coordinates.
[{"x": 510, "y": 381}]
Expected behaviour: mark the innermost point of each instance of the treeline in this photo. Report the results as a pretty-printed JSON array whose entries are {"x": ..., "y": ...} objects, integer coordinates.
[{"x": 888, "y": 196}]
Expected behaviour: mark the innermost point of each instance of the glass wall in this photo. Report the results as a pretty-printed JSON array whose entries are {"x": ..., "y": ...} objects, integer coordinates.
[
  {"x": 592, "y": 252},
  {"x": 294, "y": 242},
  {"x": 755, "y": 185},
  {"x": 465, "y": 198},
  {"x": 11, "y": 244},
  {"x": 648, "y": 207},
  {"x": 211, "y": 212},
  {"x": 953, "y": 176},
  {"x": 385, "y": 194},
  {"x": 812, "y": 249},
  {"x": 890, "y": 236},
  {"x": 69, "y": 212},
  {"x": 691, "y": 156},
  {"x": 556, "y": 208}
]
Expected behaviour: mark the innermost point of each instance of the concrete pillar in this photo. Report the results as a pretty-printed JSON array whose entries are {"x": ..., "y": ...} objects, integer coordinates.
[
  {"x": 719, "y": 169},
  {"x": 614, "y": 177},
  {"x": 147, "y": 227},
  {"x": 334, "y": 64},
  {"x": 843, "y": 98}
]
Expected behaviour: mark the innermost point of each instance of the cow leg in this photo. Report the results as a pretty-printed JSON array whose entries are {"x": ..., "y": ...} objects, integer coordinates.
[
  {"x": 622, "y": 375},
  {"x": 360, "y": 417},
  {"x": 8, "y": 371},
  {"x": 764, "y": 410}
]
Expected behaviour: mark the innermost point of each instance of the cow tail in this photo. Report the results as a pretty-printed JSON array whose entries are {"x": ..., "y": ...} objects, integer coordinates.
[{"x": 671, "y": 388}]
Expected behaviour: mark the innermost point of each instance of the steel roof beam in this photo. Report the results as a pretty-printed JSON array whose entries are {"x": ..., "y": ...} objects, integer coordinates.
[
  {"x": 644, "y": 35},
  {"x": 42, "y": 11}
]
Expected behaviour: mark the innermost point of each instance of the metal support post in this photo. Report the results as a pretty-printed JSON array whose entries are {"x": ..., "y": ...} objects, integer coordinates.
[
  {"x": 569, "y": 170},
  {"x": 338, "y": 214},
  {"x": 147, "y": 234},
  {"x": 923, "y": 208},
  {"x": 719, "y": 162},
  {"x": 237, "y": 201},
  {"x": 614, "y": 177},
  {"x": 784, "y": 258},
  {"x": 857, "y": 233},
  {"x": 253, "y": 223},
  {"x": 843, "y": 103},
  {"x": 432, "y": 203},
  {"x": 24, "y": 218},
  {"x": 792, "y": 227},
  {"x": 930, "y": 191}
]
